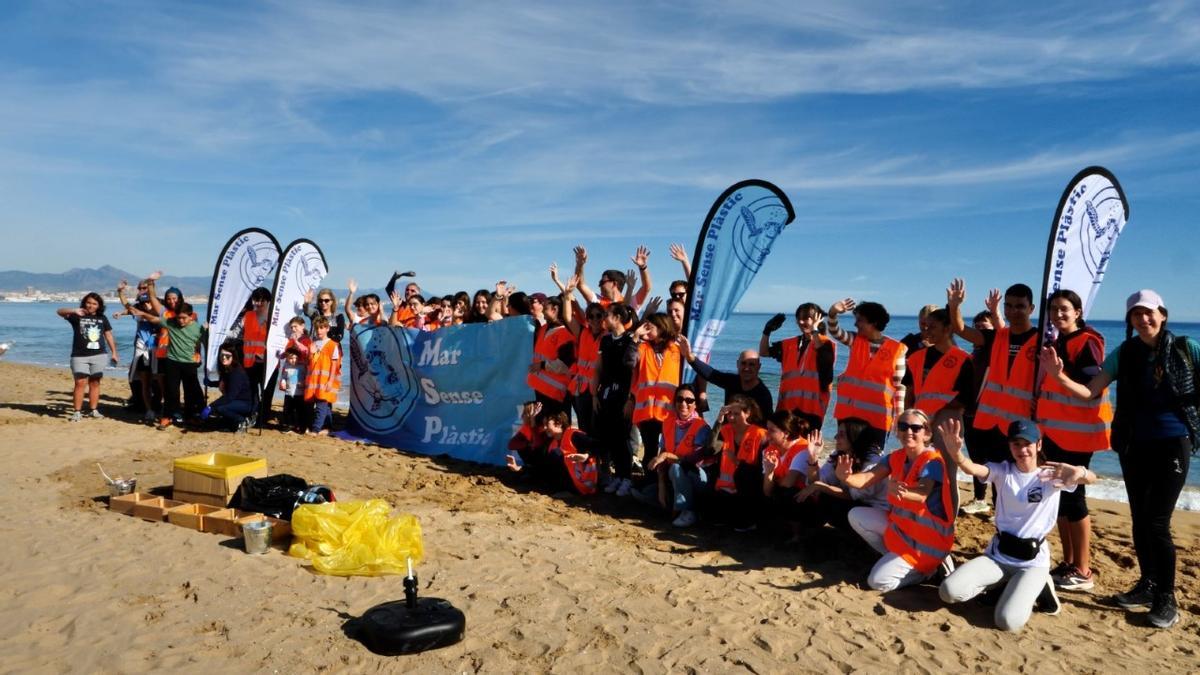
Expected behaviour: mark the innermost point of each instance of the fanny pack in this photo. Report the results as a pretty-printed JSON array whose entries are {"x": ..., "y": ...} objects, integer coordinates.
[{"x": 1017, "y": 548}]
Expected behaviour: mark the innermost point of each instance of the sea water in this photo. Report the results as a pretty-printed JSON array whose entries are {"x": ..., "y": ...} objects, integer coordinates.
[{"x": 39, "y": 336}]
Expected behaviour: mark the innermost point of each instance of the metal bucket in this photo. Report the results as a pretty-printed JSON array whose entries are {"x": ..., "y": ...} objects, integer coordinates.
[
  {"x": 257, "y": 536},
  {"x": 122, "y": 486}
]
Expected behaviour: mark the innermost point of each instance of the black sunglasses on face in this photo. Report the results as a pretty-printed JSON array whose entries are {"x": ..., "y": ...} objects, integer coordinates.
[
  {"x": 905, "y": 426},
  {"x": 684, "y": 399},
  {"x": 680, "y": 294}
]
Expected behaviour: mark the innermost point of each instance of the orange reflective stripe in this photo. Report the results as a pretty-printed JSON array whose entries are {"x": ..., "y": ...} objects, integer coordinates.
[
  {"x": 1075, "y": 425},
  {"x": 800, "y": 384},
  {"x": 587, "y": 355},
  {"x": 545, "y": 349},
  {"x": 933, "y": 393},
  {"x": 865, "y": 388},
  {"x": 914, "y": 532},
  {"x": 655, "y": 383},
  {"x": 584, "y": 475},
  {"x": 734, "y": 453},
  {"x": 1007, "y": 393},
  {"x": 324, "y": 373}
]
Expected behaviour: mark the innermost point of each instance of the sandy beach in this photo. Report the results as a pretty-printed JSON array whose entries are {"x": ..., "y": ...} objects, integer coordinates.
[{"x": 547, "y": 584}]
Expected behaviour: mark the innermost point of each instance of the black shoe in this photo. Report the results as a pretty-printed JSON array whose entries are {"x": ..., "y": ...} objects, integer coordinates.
[
  {"x": 1141, "y": 595},
  {"x": 1047, "y": 601},
  {"x": 1164, "y": 613}
]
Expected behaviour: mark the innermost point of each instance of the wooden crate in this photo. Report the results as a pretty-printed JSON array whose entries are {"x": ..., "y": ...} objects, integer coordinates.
[
  {"x": 214, "y": 500},
  {"x": 125, "y": 503},
  {"x": 154, "y": 508},
  {"x": 190, "y": 516},
  {"x": 229, "y": 521},
  {"x": 281, "y": 530},
  {"x": 215, "y": 476}
]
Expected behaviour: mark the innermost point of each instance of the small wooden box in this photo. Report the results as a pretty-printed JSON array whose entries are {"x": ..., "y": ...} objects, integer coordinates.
[
  {"x": 190, "y": 515},
  {"x": 216, "y": 501},
  {"x": 229, "y": 521},
  {"x": 281, "y": 530},
  {"x": 154, "y": 508},
  {"x": 125, "y": 503}
]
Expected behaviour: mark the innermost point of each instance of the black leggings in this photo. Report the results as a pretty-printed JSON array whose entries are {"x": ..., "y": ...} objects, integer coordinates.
[
  {"x": 1155, "y": 472},
  {"x": 178, "y": 373},
  {"x": 612, "y": 428},
  {"x": 582, "y": 403},
  {"x": 990, "y": 445},
  {"x": 650, "y": 431}
]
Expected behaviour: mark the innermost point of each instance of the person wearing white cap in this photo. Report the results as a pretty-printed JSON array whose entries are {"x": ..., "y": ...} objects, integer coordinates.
[
  {"x": 1027, "y": 498},
  {"x": 1155, "y": 427}
]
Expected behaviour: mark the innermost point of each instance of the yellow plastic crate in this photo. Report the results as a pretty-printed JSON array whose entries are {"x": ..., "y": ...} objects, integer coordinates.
[{"x": 215, "y": 474}]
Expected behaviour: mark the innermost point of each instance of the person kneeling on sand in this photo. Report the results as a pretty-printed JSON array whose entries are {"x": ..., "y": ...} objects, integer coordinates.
[
  {"x": 556, "y": 452},
  {"x": 1027, "y": 499},
  {"x": 920, "y": 526}
]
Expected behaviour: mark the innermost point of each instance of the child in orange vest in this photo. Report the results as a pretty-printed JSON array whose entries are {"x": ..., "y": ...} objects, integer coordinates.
[{"x": 324, "y": 376}]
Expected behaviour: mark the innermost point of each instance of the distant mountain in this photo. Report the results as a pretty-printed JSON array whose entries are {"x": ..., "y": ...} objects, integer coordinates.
[{"x": 103, "y": 279}]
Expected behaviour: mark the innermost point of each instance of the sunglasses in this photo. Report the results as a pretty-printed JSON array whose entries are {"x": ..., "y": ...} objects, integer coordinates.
[
  {"x": 226, "y": 356},
  {"x": 905, "y": 426},
  {"x": 681, "y": 399},
  {"x": 324, "y": 299},
  {"x": 680, "y": 295}
]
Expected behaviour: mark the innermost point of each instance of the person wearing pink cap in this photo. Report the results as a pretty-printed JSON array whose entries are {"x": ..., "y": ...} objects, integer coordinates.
[{"x": 1155, "y": 427}]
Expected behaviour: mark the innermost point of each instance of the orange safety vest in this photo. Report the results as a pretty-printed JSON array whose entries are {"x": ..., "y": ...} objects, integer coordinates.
[
  {"x": 254, "y": 339},
  {"x": 732, "y": 454},
  {"x": 933, "y": 394},
  {"x": 551, "y": 384},
  {"x": 655, "y": 382},
  {"x": 686, "y": 446},
  {"x": 587, "y": 355},
  {"x": 324, "y": 373},
  {"x": 914, "y": 532},
  {"x": 799, "y": 385},
  {"x": 1075, "y": 425},
  {"x": 1007, "y": 395},
  {"x": 406, "y": 317},
  {"x": 785, "y": 462},
  {"x": 584, "y": 475},
  {"x": 865, "y": 388}
]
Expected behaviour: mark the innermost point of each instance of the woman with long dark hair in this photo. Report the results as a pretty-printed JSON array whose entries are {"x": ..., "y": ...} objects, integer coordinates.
[
  {"x": 1155, "y": 428},
  {"x": 90, "y": 332},
  {"x": 237, "y": 399}
]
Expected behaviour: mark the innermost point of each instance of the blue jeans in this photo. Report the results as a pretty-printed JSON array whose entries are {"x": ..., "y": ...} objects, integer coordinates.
[
  {"x": 233, "y": 411},
  {"x": 322, "y": 412},
  {"x": 686, "y": 482}
]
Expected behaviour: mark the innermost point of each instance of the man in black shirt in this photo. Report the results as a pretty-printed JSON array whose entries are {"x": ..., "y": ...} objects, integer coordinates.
[{"x": 745, "y": 381}]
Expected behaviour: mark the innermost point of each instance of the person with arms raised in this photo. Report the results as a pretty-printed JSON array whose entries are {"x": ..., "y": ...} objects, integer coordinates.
[
  {"x": 745, "y": 382},
  {"x": 872, "y": 386},
  {"x": 806, "y": 361},
  {"x": 89, "y": 326}
]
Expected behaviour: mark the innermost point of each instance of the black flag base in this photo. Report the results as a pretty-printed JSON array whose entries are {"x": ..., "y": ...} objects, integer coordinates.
[{"x": 408, "y": 626}]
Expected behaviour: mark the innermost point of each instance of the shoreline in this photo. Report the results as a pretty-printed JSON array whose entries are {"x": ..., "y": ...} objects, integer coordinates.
[{"x": 547, "y": 583}]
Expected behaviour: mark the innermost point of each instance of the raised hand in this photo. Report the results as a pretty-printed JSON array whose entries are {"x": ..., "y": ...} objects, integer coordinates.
[
  {"x": 122, "y": 285},
  {"x": 841, "y": 306},
  {"x": 952, "y": 430},
  {"x": 816, "y": 441},
  {"x": 652, "y": 305},
  {"x": 956, "y": 292},
  {"x": 352, "y": 286},
  {"x": 770, "y": 461},
  {"x": 155, "y": 275},
  {"x": 679, "y": 254},
  {"x": 845, "y": 466},
  {"x": 580, "y": 255},
  {"x": 993, "y": 301},
  {"x": 396, "y": 300},
  {"x": 640, "y": 257},
  {"x": 554, "y": 273},
  {"x": 1063, "y": 475},
  {"x": 572, "y": 283},
  {"x": 773, "y": 324},
  {"x": 685, "y": 352},
  {"x": 309, "y": 296},
  {"x": 1052, "y": 364}
]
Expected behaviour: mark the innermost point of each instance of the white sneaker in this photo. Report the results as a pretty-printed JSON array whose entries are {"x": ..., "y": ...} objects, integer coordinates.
[
  {"x": 685, "y": 519},
  {"x": 76, "y": 416},
  {"x": 977, "y": 507},
  {"x": 625, "y": 488},
  {"x": 95, "y": 414}
]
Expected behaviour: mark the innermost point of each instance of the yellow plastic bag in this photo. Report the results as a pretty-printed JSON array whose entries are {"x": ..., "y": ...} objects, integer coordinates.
[{"x": 355, "y": 538}]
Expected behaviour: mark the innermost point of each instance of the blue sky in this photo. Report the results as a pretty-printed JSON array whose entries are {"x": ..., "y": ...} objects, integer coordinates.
[{"x": 478, "y": 141}]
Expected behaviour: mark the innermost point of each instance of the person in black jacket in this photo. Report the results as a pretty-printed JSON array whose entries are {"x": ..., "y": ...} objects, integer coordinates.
[{"x": 237, "y": 397}]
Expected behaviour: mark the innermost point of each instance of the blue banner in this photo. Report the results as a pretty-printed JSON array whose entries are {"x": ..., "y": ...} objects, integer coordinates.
[
  {"x": 733, "y": 244},
  {"x": 455, "y": 391}
]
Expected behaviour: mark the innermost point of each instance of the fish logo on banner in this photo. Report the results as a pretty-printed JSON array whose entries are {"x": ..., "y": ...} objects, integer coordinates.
[
  {"x": 246, "y": 262},
  {"x": 384, "y": 387},
  {"x": 454, "y": 391},
  {"x": 1091, "y": 216},
  {"x": 301, "y": 269},
  {"x": 733, "y": 244}
]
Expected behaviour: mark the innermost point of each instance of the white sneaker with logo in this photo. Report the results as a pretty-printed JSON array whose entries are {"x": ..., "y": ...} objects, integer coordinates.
[{"x": 977, "y": 507}]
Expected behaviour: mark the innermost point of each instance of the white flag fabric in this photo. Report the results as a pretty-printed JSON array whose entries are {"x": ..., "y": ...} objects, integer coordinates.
[
  {"x": 1091, "y": 216},
  {"x": 246, "y": 262},
  {"x": 301, "y": 269}
]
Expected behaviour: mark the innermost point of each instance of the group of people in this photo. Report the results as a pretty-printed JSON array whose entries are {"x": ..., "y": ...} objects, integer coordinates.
[{"x": 608, "y": 376}]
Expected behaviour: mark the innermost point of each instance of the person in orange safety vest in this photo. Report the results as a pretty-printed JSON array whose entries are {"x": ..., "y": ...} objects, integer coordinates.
[{"x": 871, "y": 388}]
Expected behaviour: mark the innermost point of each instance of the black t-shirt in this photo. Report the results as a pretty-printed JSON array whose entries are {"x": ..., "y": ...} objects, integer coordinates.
[
  {"x": 88, "y": 336},
  {"x": 618, "y": 356}
]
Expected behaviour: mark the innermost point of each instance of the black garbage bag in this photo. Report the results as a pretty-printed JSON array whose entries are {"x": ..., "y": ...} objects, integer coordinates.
[{"x": 273, "y": 496}]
